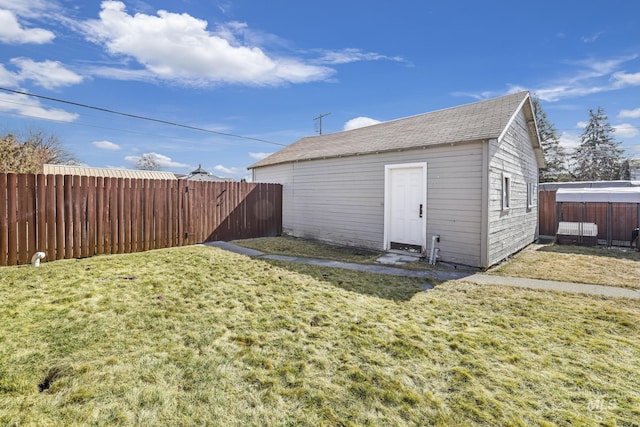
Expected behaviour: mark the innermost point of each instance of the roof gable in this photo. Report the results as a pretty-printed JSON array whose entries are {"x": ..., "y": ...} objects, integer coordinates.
[{"x": 472, "y": 122}]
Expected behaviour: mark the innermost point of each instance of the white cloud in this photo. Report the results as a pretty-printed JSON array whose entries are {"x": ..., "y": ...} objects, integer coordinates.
[
  {"x": 629, "y": 114},
  {"x": 11, "y": 32},
  {"x": 569, "y": 141},
  {"x": 592, "y": 38},
  {"x": 106, "y": 145},
  {"x": 626, "y": 130},
  {"x": 259, "y": 156},
  {"x": 48, "y": 74},
  {"x": 8, "y": 78},
  {"x": 626, "y": 79},
  {"x": 121, "y": 74},
  {"x": 360, "y": 122},
  {"x": 162, "y": 160},
  {"x": 582, "y": 125},
  {"x": 179, "y": 48},
  {"x": 24, "y": 105},
  {"x": 586, "y": 77},
  {"x": 346, "y": 56},
  {"x": 230, "y": 171},
  {"x": 29, "y": 8}
]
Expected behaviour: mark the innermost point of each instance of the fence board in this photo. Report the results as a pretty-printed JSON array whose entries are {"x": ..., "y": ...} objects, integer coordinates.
[
  {"x": 91, "y": 216},
  {"x": 60, "y": 217},
  {"x": 22, "y": 213},
  {"x": 31, "y": 217},
  {"x": 50, "y": 208},
  {"x": 41, "y": 213},
  {"x": 3, "y": 219},
  {"x": 113, "y": 214},
  {"x": 77, "y": 203},
  {"x": 84, "y": 216},
  {"x": 128, "y": 235},
  {"x": 12, "y": 224}
]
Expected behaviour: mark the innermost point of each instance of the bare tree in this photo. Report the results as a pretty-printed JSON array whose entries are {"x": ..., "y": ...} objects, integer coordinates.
[
  {"x": 49, "y": 148},
  {"x": 148, "y": 162}
]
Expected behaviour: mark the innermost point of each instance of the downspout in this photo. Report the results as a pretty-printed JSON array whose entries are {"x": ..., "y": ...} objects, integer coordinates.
[{"x": 433, "y": 256}]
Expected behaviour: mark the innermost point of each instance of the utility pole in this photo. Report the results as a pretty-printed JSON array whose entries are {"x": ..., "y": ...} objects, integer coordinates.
[{"x": 319, "y": 118}]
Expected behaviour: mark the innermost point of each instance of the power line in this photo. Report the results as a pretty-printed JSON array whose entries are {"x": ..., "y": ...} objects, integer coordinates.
[
  {"x": 135, "y": 116},
  {"x": 176, "y": 138}
]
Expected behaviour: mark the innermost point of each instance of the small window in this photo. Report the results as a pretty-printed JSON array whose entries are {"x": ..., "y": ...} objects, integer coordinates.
[
  {"x": 506, "y": 191},
  {"x": 530, "y": 190}
]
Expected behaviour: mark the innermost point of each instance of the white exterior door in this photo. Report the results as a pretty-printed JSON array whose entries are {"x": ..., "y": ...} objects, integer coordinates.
[{"x": 405, "y": 206}]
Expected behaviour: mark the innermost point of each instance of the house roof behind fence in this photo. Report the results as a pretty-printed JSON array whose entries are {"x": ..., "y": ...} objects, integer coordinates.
[
  {"x": 106, "y": 172},
  {"x": 472, "y": 122}
]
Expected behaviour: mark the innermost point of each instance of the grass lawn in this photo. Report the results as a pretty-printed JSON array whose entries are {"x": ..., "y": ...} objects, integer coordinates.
[
  {"x": 197, "y": 336},
  {"x": 599, "y": 266},
  {"x": 293, "y": 246}
]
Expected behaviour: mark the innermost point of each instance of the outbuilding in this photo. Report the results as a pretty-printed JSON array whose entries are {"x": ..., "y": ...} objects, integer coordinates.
[{"x": 462, "y": 180}]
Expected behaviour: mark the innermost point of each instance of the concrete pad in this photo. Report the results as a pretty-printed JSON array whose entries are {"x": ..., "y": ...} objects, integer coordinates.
[
  {"x": 234, "y": 248},
  {"x": 391, "y": 258}
]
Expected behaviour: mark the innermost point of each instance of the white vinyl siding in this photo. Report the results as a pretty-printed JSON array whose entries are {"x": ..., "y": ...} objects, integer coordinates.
[
  {"x": 513, "y": 229},
  {"x": 341, "y": 200}
]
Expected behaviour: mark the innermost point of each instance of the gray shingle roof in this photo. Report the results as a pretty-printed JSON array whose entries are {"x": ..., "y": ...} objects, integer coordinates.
[{"x": 471, "y": 122}]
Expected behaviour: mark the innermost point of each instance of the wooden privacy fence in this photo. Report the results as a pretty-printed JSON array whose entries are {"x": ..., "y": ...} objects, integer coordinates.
[
  {"x": 615, "y": 220},
  {"x": 69, "y": 216}
]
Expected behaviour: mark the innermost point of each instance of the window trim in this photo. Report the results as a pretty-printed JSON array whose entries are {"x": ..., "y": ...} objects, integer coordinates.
[
  {"x": 506, "y": 191},
  {"x": 530, "y": 193}
]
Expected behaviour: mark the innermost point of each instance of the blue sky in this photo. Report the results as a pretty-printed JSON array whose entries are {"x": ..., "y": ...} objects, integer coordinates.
[{"x": 265, "y": 69}]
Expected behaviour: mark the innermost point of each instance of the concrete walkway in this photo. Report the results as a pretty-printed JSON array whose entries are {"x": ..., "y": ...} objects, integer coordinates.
[
  {"x": 552, "y": 285},
  {"x": 445, "y": 275}
]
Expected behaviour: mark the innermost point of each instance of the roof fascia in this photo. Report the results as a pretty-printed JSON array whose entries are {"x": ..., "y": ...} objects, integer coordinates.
[{"x": 391, "y": 150}]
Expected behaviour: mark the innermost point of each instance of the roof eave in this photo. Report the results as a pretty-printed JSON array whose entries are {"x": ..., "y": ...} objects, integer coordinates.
[{"x": 391, "y": 150}]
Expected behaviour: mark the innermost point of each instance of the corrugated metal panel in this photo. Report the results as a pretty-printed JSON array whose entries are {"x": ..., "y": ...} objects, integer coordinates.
[
  {"x": 106, "y": 172},
  {"x": 602, "y": 195}
]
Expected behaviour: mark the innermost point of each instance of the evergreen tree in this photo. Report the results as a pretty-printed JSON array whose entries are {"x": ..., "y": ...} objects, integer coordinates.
[
  {"x": 599, "y": 156},
  {"x": 555, "y": 156}
]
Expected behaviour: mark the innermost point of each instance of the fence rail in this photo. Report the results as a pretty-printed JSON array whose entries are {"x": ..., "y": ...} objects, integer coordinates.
[
  {"x": 68, "y": 216},
  {"x": 615, "y": 220}
]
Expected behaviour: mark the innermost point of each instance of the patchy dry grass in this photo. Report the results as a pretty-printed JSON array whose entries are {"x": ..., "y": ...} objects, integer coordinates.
[
  {"x": 293, "y": 246},
  {"x": 600, "y": 266},
  {"x": 198, "y": 336}
]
